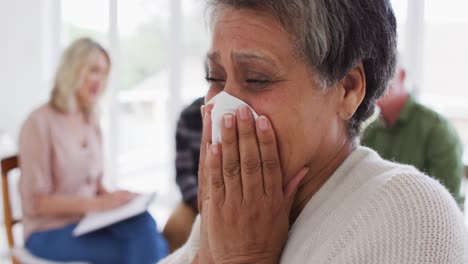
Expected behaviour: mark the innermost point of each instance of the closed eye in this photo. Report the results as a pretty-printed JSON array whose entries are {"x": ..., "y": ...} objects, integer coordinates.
[
  {"x": 257, "y": 81},
  {"x": 210, "y": 79}
]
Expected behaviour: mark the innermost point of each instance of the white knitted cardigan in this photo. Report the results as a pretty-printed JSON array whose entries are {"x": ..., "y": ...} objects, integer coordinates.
[{"x": 370, "y": 211}]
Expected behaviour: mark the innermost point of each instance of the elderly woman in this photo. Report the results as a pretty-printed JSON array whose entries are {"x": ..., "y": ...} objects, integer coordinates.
[
  {"x": 62, "y": 169},
  {"x": 294, "y": 186}
]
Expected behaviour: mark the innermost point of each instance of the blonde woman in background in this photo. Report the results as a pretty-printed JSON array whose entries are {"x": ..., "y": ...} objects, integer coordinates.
[{"x": 61, "y": 163}]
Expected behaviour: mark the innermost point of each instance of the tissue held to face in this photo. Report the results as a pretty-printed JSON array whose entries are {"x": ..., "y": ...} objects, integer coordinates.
[
  {"x": 252, "y": 58},
  {"x": 224, "y": 103}
]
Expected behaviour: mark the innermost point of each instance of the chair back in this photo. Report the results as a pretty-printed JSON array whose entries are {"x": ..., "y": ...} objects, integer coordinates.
[
  {"x": 8, "y": 164},
  {"x": 19, "y": 254}
]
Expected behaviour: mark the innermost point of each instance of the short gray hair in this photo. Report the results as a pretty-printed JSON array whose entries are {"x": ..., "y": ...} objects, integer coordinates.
[
  {"x": 333, "y": 36},
  {"x": 69, "y": 75}
]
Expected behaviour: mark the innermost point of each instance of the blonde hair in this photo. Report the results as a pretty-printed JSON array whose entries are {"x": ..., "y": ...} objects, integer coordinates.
[{"x": 70, "y": 73}]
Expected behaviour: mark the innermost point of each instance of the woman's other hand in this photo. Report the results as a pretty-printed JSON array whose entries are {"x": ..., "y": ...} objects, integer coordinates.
[{"x": 112, "y": 200}]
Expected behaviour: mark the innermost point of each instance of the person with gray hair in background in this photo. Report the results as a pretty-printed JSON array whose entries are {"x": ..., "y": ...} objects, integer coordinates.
[
  {"x": 411, "y": 133},
  {"x": 288, "y": 181}
]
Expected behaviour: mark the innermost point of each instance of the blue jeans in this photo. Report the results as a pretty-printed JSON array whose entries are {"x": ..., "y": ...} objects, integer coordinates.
[{"x": 132, "y": 241}]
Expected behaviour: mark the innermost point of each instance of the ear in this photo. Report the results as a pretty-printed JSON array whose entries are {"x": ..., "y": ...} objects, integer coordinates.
[
  {"x": 402, "y": 75},
  {"x": 352, "y": 89}
]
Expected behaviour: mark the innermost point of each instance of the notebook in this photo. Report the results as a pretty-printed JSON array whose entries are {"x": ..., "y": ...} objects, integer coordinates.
[{"x": 97, "y": 220}]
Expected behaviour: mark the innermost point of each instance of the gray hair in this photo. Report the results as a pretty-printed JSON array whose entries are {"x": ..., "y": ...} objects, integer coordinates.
[
  {"x": 70, "y": 72},
  {"x": 333, "y": 36}
]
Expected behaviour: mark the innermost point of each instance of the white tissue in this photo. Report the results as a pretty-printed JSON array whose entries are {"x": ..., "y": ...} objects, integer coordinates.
[{"x": 223, "y": 103}]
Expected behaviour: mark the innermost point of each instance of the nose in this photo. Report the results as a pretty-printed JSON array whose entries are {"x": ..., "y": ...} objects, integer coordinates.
[
  {"x": 231, "y": 89},
  {"x": 235, "y": 89}
]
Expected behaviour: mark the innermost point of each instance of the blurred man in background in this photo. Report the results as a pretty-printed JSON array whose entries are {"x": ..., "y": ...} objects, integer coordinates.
[{"x": 410, "y": 133}]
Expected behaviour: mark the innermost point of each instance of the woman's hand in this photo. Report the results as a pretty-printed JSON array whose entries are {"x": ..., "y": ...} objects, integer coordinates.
[
  {"x": 244, "y": 208},
  {"x": 112, "y": 200},
  {"x": 53, "y": 205}
]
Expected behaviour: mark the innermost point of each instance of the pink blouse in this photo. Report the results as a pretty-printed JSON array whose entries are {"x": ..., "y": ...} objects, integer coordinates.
[{"x": 55, "y": 160}]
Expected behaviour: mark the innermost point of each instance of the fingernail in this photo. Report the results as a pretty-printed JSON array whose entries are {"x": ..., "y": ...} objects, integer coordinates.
[
  {"x": 202, "y": 110},
  {"x": 209, "y": 107},
  {"x": 243, "y": 112},
  {"x": 214, "y": 149},
  {"x": 304, "y": 172},
  {"x": 263, "y": 123},
  {"x": 228, "y": 121},
  {"x": 207, "y": 114}
]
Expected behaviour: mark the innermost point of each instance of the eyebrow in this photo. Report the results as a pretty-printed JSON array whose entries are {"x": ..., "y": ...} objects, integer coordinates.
[
  {"x": 241, "y": 56},
  {"x": 214, "y": 57}
]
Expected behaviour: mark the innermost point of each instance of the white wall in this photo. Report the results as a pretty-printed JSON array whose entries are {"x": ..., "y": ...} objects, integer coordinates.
[{"x": 29, "y": 41}]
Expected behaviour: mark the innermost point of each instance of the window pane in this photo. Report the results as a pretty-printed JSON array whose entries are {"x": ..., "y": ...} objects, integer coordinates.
[
  {"x": 146, "y": 100},
  {"x": 446, "y": 61},
  {"x": 400, "y": 7},
  {"x": 196, "y": 43},
  {"x": 144, "y": 134},
  {"x": 85, "y": 18}
]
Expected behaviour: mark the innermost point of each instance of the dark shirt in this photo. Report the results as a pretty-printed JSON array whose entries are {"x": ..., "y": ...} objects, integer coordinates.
[{"x": 188, "y": 139}]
